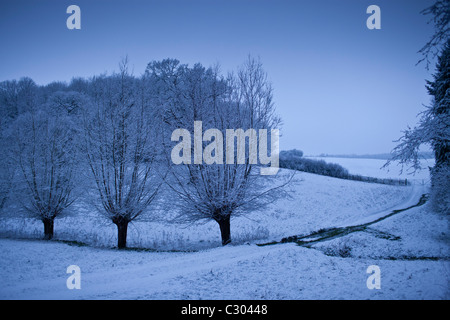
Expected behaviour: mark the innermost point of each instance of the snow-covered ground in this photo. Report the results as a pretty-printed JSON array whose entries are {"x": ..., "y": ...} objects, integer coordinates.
[
  {"x": 187, "y": 262},
  {"x": 316, "y": 202}
]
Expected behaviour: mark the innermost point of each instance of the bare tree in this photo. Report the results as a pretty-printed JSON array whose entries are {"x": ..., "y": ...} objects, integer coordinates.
[
  {"x": 210, "y": 189},
  {"x": 121, "y": 148},
  {"x": 45, "y": 153}
]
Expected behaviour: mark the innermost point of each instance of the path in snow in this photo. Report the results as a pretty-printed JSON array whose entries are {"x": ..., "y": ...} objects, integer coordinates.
[
  {"x": 416, "y": 199},
  {"x": 138, "y": 280}
]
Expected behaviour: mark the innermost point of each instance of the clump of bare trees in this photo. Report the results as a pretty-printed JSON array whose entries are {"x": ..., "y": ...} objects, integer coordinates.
[{"x": 107, "y": 141}]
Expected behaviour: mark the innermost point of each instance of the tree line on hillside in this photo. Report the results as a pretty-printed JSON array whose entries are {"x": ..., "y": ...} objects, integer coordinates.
[
  {"x": 293, "y": 159},
  {"x": 377, "y": 156}
]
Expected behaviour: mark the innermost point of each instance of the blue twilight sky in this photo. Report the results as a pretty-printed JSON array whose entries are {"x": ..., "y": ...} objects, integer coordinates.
[{"x": 339, "y": 87}]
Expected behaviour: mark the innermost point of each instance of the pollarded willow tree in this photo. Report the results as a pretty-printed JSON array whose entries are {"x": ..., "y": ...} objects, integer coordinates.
[
  {"x": 120, "y": 142},
  {"x": 45, "y": 153},
  {"x": 210, "y": 181}
]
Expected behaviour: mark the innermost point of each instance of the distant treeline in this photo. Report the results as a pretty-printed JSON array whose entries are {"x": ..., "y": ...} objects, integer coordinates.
[
  {"x": 381, "y": 156},
  {"x": 293, "y": 159}
]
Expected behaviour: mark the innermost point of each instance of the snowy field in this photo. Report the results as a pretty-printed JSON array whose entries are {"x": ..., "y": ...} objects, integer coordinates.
[{"x": 188, "y": 262}]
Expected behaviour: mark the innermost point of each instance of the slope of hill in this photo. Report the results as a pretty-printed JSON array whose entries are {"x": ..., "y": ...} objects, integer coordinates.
[{"x": 414, "y": 261}]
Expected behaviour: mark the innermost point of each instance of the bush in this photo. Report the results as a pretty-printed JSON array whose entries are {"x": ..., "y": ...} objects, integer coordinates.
[{"x": 292, "y": 159}]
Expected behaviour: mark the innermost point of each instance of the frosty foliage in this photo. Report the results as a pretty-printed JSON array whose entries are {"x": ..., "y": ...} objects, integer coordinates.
[
  {"x": 45, "y": 154},
  {"x": 120, "y": 143},
  {"x": 440, "y": 12},
  {"x": 433, "y": 129},
  {"x": 105, "y": 142},
  {"x": 440, "y": 194},
  {"x": 242, "y": 101}
]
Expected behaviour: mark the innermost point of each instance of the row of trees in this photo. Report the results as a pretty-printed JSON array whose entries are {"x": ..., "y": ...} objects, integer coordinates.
[{"x": 106, "y": 141}]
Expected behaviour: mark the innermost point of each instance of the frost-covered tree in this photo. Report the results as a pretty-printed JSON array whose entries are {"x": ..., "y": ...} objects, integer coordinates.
[
  {"x": 9, "y": 96},
  {"x": 7, "y": 167},
  {"x": 44, "y": 150},
  {"x": 8, "y": 112},
  {"x": 437, "y": 119},
  {"x": 16, "y": 98},
  {"x": 437, "y": 115},
  {"x": 440, "y": 12},
  {"x": 212, "y": 189},
  {"x": 120, "y": 142},
  {"x": 433, "y": 129}
]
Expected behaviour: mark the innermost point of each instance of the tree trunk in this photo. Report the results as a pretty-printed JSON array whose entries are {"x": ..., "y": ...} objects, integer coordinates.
[
  {"x": 122, "y": 228},
  {"x": 224, "y": 224},
  {"x": 48, "y": 228}
]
